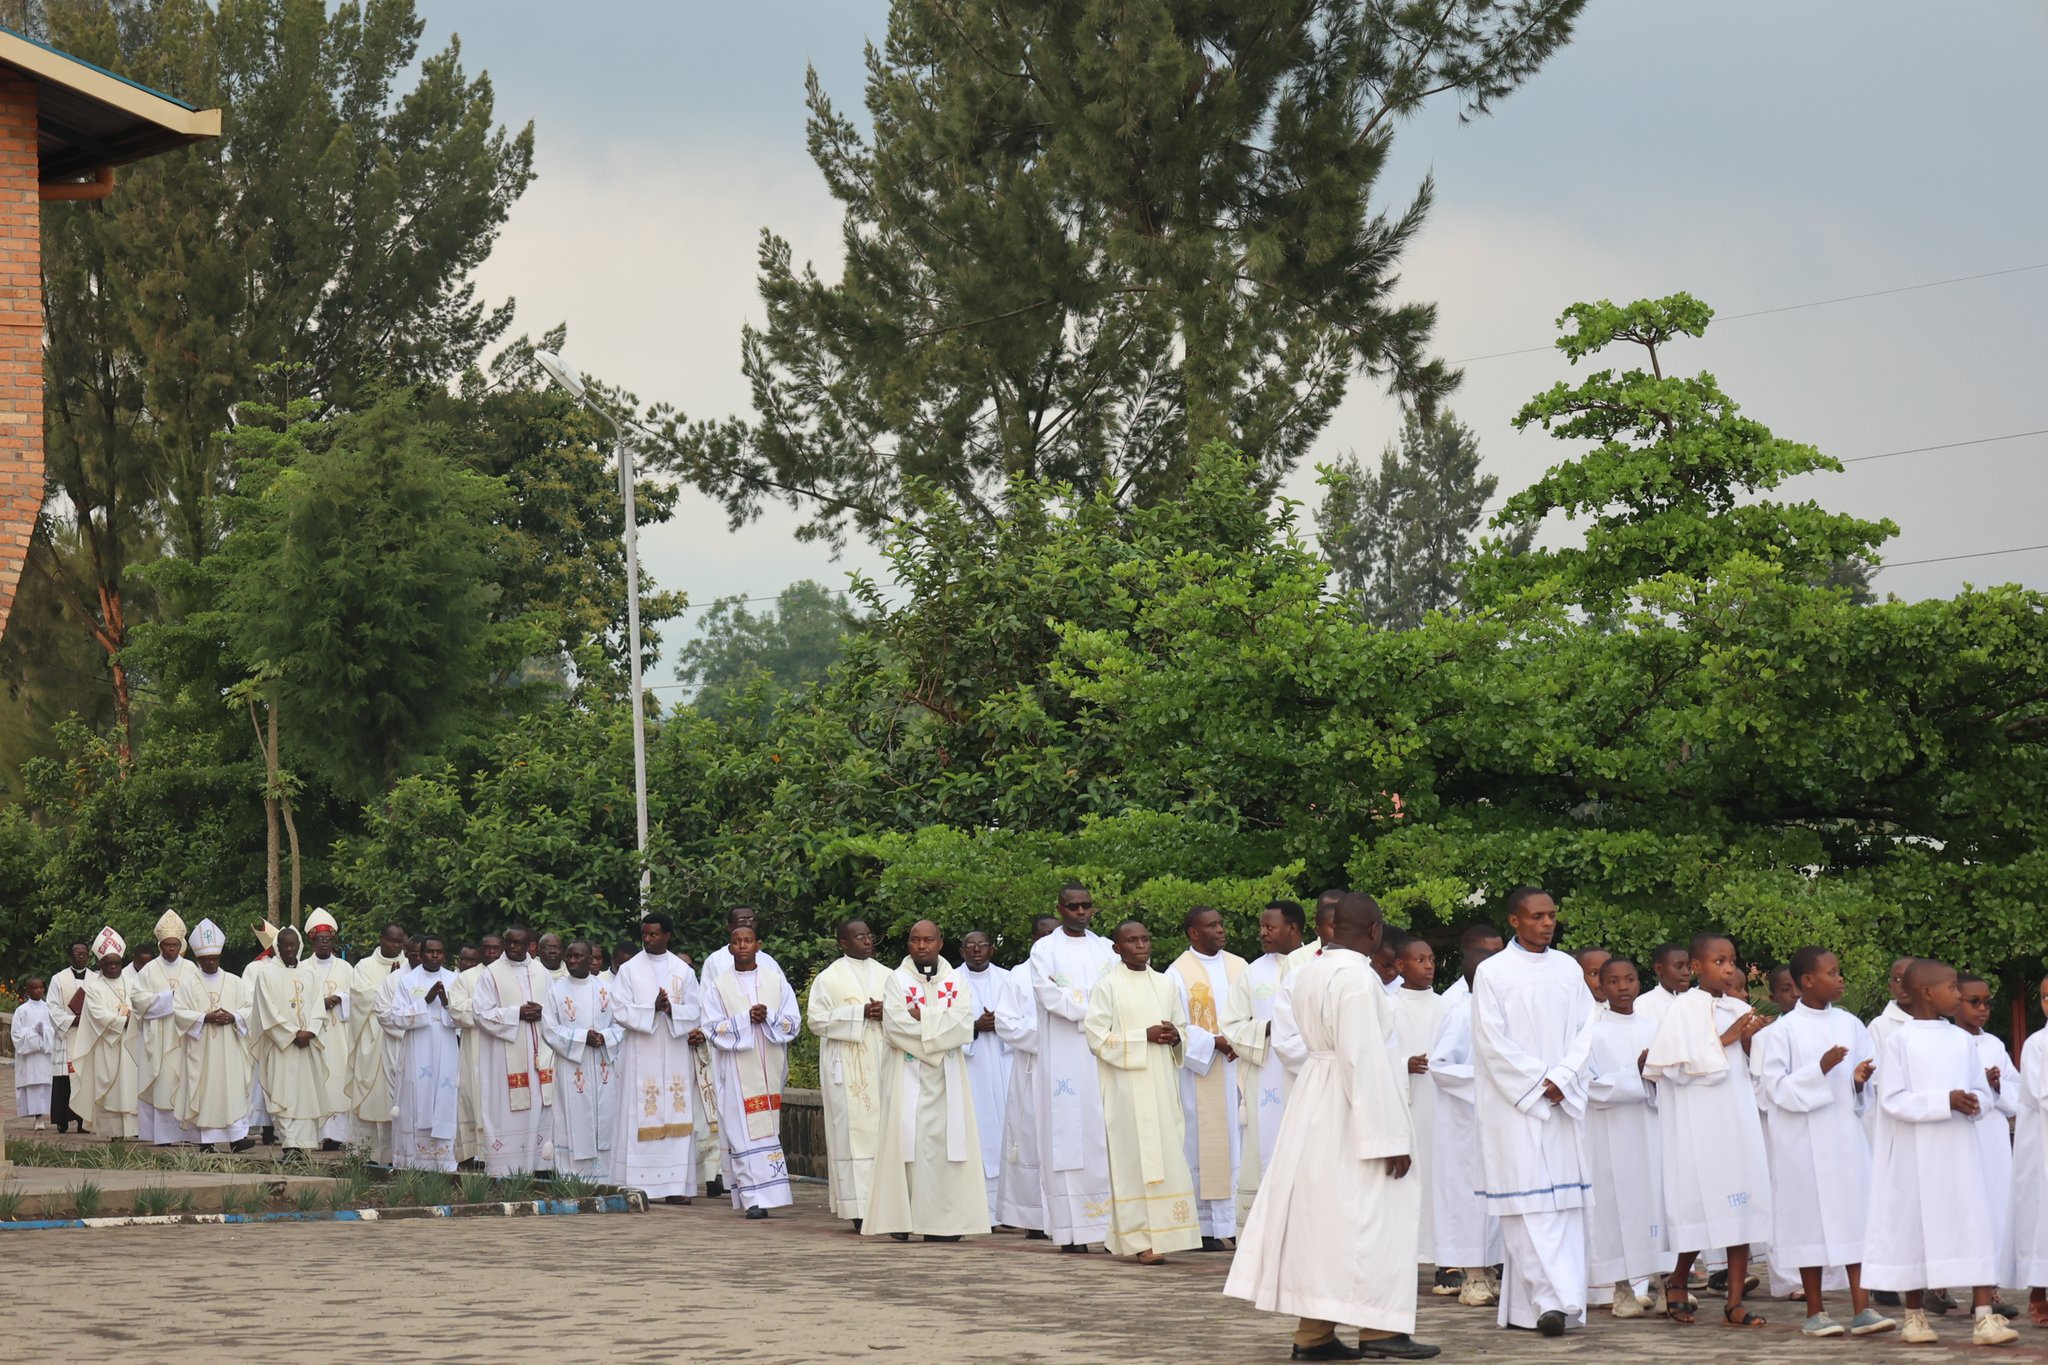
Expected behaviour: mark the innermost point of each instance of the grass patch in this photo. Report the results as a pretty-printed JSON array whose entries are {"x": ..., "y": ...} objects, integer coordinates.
[
  {"x": 512, "y": 1189},
  {"x": 572, "y": 1187},
  {"x": 477, "y": 1187},
  {"x": 11, "y": 1200},
  {"x": 154, "y": 1200},
  {"x": 242, "y": 1199},
  {"x": 347, "y": 1192},
  {"x": 184, "y": 1202},
  {"x": 86, "y": 1198},
  {"x": 306, "y": 1198},
  {"x": 404, "y": 1190},
  {"x": 436, "y": 1187}
]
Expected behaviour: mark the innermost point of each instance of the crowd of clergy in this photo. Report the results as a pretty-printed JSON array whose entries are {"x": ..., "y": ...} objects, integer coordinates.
[{"x": 1544, "y": 1134}]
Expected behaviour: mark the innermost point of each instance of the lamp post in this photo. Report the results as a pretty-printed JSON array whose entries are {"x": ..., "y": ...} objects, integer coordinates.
[{"x": 572, "y": 383}]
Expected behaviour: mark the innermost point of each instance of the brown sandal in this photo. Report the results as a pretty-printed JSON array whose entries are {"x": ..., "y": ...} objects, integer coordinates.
[
  {"x": 1748, "y": 1319},
  {"x": 1151, "y": 1258}
]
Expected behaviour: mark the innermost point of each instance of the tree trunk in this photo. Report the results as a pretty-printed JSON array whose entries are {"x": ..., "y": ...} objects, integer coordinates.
[{"x": 272, "y": 878}]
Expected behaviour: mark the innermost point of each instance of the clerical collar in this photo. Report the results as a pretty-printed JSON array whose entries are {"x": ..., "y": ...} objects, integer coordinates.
[
  {"x": 979, "y": 970},
  {"x": 927, "y": 972},
  {"x": 1516, "y": 944},
  {"x": 1207, "y": 957}
]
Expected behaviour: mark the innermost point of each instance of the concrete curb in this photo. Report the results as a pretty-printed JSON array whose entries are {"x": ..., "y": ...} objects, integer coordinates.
[{"x": 630, "y": 1202}]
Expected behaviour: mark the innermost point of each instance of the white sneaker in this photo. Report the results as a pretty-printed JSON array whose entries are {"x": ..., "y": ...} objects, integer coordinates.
[
  {"x": 1626, "y": 1304},
  {"x": 42, "y": 1124},
  {"x": 1992, "y": 1330},
  {"x": 1472, "y": 1294},
  {"x": 1916, "y": 1331}
]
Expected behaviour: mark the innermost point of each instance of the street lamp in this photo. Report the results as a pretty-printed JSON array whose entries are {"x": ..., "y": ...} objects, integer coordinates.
[{"x": 572, "y": 383}]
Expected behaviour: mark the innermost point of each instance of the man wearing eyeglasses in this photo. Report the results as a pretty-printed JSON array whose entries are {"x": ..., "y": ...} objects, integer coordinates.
[{"x": 1073, "y": 1147}]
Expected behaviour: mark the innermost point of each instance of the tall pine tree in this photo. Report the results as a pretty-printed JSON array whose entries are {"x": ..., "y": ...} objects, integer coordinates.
[{"x": 1088, "y": 236}]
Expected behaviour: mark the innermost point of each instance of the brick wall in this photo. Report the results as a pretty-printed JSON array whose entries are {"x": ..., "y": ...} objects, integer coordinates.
[{"x": 21, "y": 333}]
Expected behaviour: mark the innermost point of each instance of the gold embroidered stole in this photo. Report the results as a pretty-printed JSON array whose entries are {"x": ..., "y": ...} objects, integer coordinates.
[
  {"x": 761, "y": 1096},
  {"x": 531, "y": 1056},
  {"x": 1212, "y": 1116}
]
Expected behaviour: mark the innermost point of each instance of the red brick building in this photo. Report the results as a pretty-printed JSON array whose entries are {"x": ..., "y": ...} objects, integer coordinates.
[{"x": 64, "y": 126}]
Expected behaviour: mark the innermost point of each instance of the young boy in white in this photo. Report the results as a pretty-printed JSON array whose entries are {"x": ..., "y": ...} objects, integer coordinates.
[
  {"x": 1625, "y": 1227},
  {"x": 1994, "y": 1139}
]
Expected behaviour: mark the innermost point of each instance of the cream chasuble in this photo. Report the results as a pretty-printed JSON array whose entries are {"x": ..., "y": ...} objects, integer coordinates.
[
  {"x": 928, "y": 1160},
  {"x": 369, "y": 1081},
  {"x": 469, "y": 1143},
  {"x": 655, "y": 1146},
  {"x": 1333, "y": 1234},
  {"x": 294, "y": 1078},
  {"x": 217, "y": 1057},
  {"x": 518, "y": 1068},
  {"x": 161, "y": 1072},
  {"x": 103, "y": 1086},
  {"x": 851, "y": 1053},
  {"x": 1153, "y": 1190},
  {"x": 331, "y": 977},
  {"x": 1209, "y": 1089}
]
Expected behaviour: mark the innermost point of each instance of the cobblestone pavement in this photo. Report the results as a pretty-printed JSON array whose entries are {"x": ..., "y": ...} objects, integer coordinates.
[{"x": 701, "y": 1283}]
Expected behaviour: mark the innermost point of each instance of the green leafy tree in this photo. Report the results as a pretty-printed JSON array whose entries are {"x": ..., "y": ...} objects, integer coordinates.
[
  {"x": 1088, "y": 237},
  {"x": 793, "y": 644},
  {"x": 1399, "y": 537}
]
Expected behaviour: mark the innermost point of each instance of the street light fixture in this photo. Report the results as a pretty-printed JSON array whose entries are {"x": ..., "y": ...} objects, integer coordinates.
[{"x": 565, "y": 375}]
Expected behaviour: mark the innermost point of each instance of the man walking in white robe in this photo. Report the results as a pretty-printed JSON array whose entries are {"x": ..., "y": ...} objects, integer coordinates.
[
  {"x": 1206, "y": 972},
  {"x": 1073, "y": 1148},
  {"x": 586, "y": 1039},
  {"x": 291, "y": 1047},
  {"x": 427, "y": 1077},
  {"x": 928, "y": 1160},
  {"x": 161, "y": 1073},
  {"x": 469, "y": 1140},
  {"x": 332, "y": 981},
  {"x": 1248, "y": 1024},
  {"x": 1531, "y": 1030},
  {"x": 845, "y": 1013},
  {"x": 988, "y": 1063},
  {"x": 712, "y": 1162},
  {"x": 103, "y": 1064},
  {"x": 517, "y": 1103},
  {"x": 751, "y": 1017},
  {"x": 1333, "y": 1237},
  {"x": 212, "y": 1010},
  {"x": 70, "y": 979},
  {"x": 1020, "y": 1190},
  {"x": 369, "y": 1085},
  {"x": 655, "y": 1002}
]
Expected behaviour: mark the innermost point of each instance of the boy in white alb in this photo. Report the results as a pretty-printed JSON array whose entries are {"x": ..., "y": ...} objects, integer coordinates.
[
  {"x": 1994, "y": 1139},
  {"x": 1625, "y": 1227},
  {"x": 34, "y": 1031},
  {"x": 1418, "y": 1013},
  {"x": 2030, "y": 1173},
  {"x": 1466, "y": 1235}
]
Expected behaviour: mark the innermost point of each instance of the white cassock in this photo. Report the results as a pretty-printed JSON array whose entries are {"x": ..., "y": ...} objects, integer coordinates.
[
  {"x": 160, "y": 1076},
  {"x": 712, "y": 1161},
  {"x": 1994, "y": 1140},
  {"x": 1467, "y": 1234},
  {"x": 294, "y": 1078},
  {"x": 1073, "y": 1150},
  {"x": 988, "y": 1072},
  {"x": 1262, "y": 1076},
  {"x": 103, "y": 1060},
  {"x": 655, "y": 1148},
  {"x": 1625, "y": 1226},
  {"x": 586, "y": 1074},
  {"x": 1145, "y": 1120},
  {"x": 1333, "y": 1234},
  {"x": 1889, "y": 1020},
  {"x": 426, "y": 1072},
  {"x": 515, "y": 1106},
  {"x": 1417, "y": 1016},
  {"x": 1820, "y": 1160},
  {"x": 1208, "y": 1089},
  {"x": 217, "y": 1057},
  {"x": 1929, "y": 1227},
  {"x": 1531, "y": 1023},
  {"x": 928, "y": 1161},
  {"x": 751, "y": 1062},
  {"x": 369, "y": 1080},
  {"x": 1652, "y": 1004},
  {"x": 469, "y": 1141},
  {"x": 1020, "y": 1190},
  {"x": 330, "y": 976},
  {"x": 34, "y": 1033},
  {"x": 1717, "y": 1176},
  {"x": 2030, "y": 1166},
  {"x": 851, "y": 1052}
]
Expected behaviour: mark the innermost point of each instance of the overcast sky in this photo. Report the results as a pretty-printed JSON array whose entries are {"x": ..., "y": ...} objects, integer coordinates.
[{"x": 1755, "y": 153}]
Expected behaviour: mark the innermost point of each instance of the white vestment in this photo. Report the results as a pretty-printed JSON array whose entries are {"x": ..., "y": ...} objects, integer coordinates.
[
  {"x": 1145, "y": 1122},
  {"x": 851, "y": 1054},
  {"x": 217, "y": 1057},
  {"x": 63, "y": 983},
  {"x": 1467, "y": 1233},
  {"x": 988, "y": 1072},
  {"x": 469, "y": 1141},
  {"x": 1820, "y": 1159},
  {"x": 752, "y": 1064},
  {"x": 1625, "y": 1225},
  {"x": 426, "y": 1075},
  {"x": 294, "y": 1077},
  {"x": 1262, "y": 1076},
  {"x": 1994, "y": 1140},
  {"x": 365, "y": 1055},
  {"x": 34, "y": 1034},
  {"x": 1209, "y": 1089},
  {"x": 103, "y": 1081},
  {"x": 1888, "y": 1022},
  {"x": 1929, "y": 1227},
  {"x": 330, "y": 976},
  {"x": 927, "y": 1175},
  {"x": 655, "y": 1148},
  {"x": 586, "y": 1074},
  {"x": 1020, "y": 1190},
  {"x": 1652, "y": 1004},
  {"x": 1073, "y": 1150},
  {"x": 1717, "y": 1177},
  {"x": 1332, "y": 1235},
  {"x": 1417, "y": 1016},
  {"x": 2030, "y": 1166},
  {"x": 1531, "y": 1024},
  {"x": 516, "y": 1105},
  {"x": 162, "y": 1067}
]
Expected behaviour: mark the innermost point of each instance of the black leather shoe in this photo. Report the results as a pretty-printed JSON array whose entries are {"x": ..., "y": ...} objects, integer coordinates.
[
  {"x": 899, "y": 1236},
  {"x": 1884, "y": 1298},
  {"x": 856, "y": 1227},
  {"x": 757, "y": 1214},
  {"x": 1551, "y": 1324},
  {"x": 1399, "y": 1347},
  {"x": 1332, "y": 1349},
  {"x": 942, "y": 1237},
  {"x": 1939, "y": 1303},
  {"x": 1212, "y": 1244},
  {"x": 1034, "y": 1235},
  {"x": 1078, "y": 1248}
]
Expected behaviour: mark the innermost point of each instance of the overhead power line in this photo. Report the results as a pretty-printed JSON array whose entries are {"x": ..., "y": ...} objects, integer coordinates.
[
  {"x": 1946, "y": 445},
  {"x": 1947, "y": 559}
]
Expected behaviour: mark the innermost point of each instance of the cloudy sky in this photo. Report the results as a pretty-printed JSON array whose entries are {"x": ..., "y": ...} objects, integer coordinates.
[{"x": 1755, "y": 153}]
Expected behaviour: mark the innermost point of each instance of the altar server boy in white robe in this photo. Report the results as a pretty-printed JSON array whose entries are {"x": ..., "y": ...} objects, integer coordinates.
[
  {"x": 1467, "y": 1235},
  {"x": 1813, "y": 1068},
  {"x": 1671, "y": 965},
  {"x": 34, "y": 1031},
  {"x": 1418, "y": 1013},
  {"x": 1930, "y": 1225},
  {"x": 2030, "y": 1172},
  {"x": 1625, "y": 1227},
  {"x": 1994, "y": 1135},
  {"x": 1717, "y": 1181}
]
